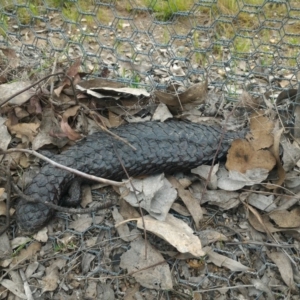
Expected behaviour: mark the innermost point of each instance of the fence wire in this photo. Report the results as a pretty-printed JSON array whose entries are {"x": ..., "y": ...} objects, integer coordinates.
[{"x": 236, "y": 45}]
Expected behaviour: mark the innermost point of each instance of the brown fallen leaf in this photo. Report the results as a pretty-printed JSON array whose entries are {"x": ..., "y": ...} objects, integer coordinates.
[
  {"x": 195, "y": 93},
  {"x": 127, "y": 211},
  {"x": 13, "y": 59},
  {"x": 242, "y": 157},
  {"x": 27, "y": 253},
  {"x": 275, "y": 149},
  {"x": 49, "y": 132},
  {"x": 25, "y": 131},
  {"x": 262, "y": 224},
  {"x": 286, "y": 219},
  {"x": 72, "y": 73},
  {"x": 114, "y": 119},
  {"x": 50, "y": 281},
  {"x": 261, "y": 128},
  {"x": 64, "y": 124},
  {"x": 86, "y": 196},
  {"x": 35, "y": 105},
  {"x": 248, "y": 101},
  {"x": 211, "y": 236},
  {"x": 285, "y": 268}
]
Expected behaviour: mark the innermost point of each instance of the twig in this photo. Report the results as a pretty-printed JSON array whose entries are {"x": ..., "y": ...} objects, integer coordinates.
[
  {"x": 30, "y": 86},
  {"x": 53, "y": 70},
  {"x": 73, "y": 88},
  {"x": 216, "y": 155},
  {"x": 137, "y": 200},
  {"x": 261, "y": 244},
  {"x": 57, "y": 165}
]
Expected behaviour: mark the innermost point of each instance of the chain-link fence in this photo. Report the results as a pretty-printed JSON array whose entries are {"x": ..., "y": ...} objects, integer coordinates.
[{"x": 252, "y": 44}]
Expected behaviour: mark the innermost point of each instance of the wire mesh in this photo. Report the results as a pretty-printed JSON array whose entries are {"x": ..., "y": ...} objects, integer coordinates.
[{"x": 235, "y": 44}]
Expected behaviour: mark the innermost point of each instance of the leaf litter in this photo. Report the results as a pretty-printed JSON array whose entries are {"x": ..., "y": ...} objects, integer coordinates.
[{"x": 179, "y": 213}]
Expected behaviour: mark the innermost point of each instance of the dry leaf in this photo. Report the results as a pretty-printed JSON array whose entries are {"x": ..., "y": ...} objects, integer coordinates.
[
  {"x": 154, "y": 193},
  {"x": 87, "y": 258},
  {"x": 262, "y": 202},
  {"x": 105, "y": 291},
  {"x": 2, "y": 208},
  {"x": 261, "y": 128},
  {"x": 234, "y": 180},
  {"x": 18, "y": 241},
  {"x": 156, "y": 277},
  {"x": 128, "y": 211},
  {"x": 66, "y": 128},
  {"x": 9, "y": 89},
  {"x": 114, "y": 119},
  {"x": 286, "y": 219},
  {"x": 82, "y": 223},
  {"x": 50, "y": 281},
  {"x": 41, "y": 235},
  {"x": 174, "y": 231},
  {"x": 262, "y": 224},
  {"x": 223, "y": 261},
  {"x": 242, "y": 157},
  {"x": 126, "y": 90},
  {"x": 196, "y": 93},
  {"x": 2, "y": 194},
  {"x": 224, "y": 199},
  {"x": 285, "y": 268},
  {"x": 162, "y": 113},
  {"x": 27, "y": 253},
  {"x": 248, "y": 101},
  {"x": 123, "y": 229},
  {"x": 66, "y": 239},
  {"x": 14, "y": 288},
  {"x": 291, "y": 154},
  {"x": 49, "y": 132},
  {"x": 190, "y": 202},
  {"x": 5, "y": 247},
  {"x": 86, "y": 195},
  {"x": 262, "y": 287},
  {"x": 211, "y": 236},
  {"x": 5, "y": 137},
  {"x": 13, "y": 59},
  {"x": 204, "y": 171},
  {"x": 275, "y": 150},
  {"x": 25, "y": 131},
  {"x": 180, "y": 209},
  {"x": 73, "y": 74},
  {"x": 91, "y": 291}
]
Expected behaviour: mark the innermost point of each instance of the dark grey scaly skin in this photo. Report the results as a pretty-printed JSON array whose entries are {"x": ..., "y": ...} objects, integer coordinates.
[{"x": 160, "y": 147}]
